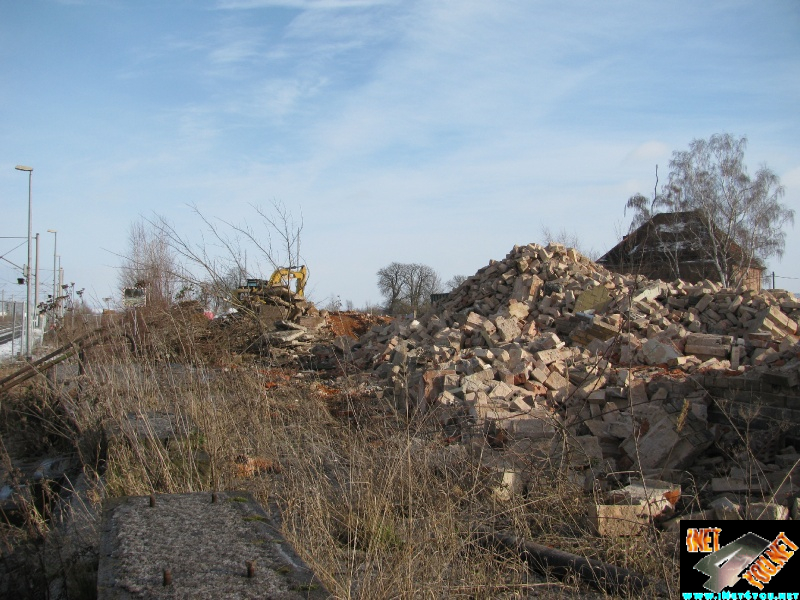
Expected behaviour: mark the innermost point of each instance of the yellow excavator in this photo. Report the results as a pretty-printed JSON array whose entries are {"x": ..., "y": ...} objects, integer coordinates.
[{"x": 277, "y": 290}]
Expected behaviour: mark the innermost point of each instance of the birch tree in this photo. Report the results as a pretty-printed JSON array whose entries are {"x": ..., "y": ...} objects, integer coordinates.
[{"x": 741, "y": 218}]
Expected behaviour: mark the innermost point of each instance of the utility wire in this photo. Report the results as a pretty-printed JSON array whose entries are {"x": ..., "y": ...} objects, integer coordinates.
[{"x": 14, "y": 248}]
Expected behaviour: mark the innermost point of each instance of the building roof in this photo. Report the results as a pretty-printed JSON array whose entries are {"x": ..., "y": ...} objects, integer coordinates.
[{"x": 683, "y": 235}]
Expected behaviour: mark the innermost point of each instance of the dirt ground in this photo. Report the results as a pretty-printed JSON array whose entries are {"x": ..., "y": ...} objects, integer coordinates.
[{"x": 354, "y": 324}]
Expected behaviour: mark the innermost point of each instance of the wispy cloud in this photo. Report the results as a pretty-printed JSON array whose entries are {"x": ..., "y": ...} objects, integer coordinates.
[
  {"x": 301, "y": 4},
  {"x": 650, "y": 151},
  {"x": 235, "y": 51}
]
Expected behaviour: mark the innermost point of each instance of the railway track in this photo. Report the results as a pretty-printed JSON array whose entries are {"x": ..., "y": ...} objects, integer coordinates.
[{"x": 7, "y": 332}]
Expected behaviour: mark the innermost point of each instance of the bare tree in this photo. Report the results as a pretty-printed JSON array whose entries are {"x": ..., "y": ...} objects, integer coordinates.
[
  {"x": 228, "y": 253},
  {"x": 669, "y": 237},
  {"x": 390, "y": 285},
  {"x": 151, "y": 263},
  {"x": 738, "y": 220},
  {"x": 455, "y": 281},
  {"x": 407, "y": 286},
  {"x": 570, "y": 240}
]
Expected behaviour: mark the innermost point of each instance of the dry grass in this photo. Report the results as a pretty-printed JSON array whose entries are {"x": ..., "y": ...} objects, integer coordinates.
[{"x": 378, "y": 505}]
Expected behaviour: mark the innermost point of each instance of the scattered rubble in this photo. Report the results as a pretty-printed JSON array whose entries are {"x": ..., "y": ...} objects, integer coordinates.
[
  {"x": 605, "y": 373},
  {"x": 300, "y": 336}
]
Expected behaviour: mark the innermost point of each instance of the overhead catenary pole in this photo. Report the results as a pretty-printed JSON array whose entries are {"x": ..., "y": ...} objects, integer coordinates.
[
  {"x": 36, "y": 285},
  {"x": 28, "y": 310},
  {"x": 60, "y": 284},
  {"x": 55, "y": 270},
  {"x": 13, "y": 325}
]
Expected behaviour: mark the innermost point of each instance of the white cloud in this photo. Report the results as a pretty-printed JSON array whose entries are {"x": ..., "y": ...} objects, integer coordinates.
[{"x": 651, "y": 151}]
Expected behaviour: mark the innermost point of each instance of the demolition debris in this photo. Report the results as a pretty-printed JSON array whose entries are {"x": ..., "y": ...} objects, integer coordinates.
[{"x": 546, "y": 354}]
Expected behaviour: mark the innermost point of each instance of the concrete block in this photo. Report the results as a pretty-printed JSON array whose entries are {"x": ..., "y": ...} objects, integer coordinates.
[
  {"x": 732, "y": 484},
  {"x": 583, "y": 451},
  {"x": 662, "y": 447},
  {"x": 556, "y": 382},
  {"x": 522, "y": 403},
  {"x": 478, "y": 323},
  {"x": 509, "y": 486},
  {"x": 598, "y": 428},
  {"x": 703, "y": 303},
  {"x": 535, "y": 424},
  {"x": 726, "y": 509},
  {"x": 596, "y": 299},
  {"x": 718, "y": 351},
  {"x": 205, "y": 541},
  {"x": 658, "y": 352},
  {"x": 501, "y": 391},
  {"x": 590, "y": 385},
  {"x": 526, "y": 288},
  {"x": 621, "y": 427},
  {"x": 611, "y": 520},
  {"x": 430, "y": 387},
  {"x": 654, "y": 491},
  {"x": 540, "y": 374},
  {"x": 637, "y": 391},
  {"x": 547, "y": 356},
  {"x": 549, "y": 341},
  {"x": 651, "y": 292},
  {"x": 507, "y": 328},
  {"x": 518, "y": 310},
  {"x": 766, "y": 511}
]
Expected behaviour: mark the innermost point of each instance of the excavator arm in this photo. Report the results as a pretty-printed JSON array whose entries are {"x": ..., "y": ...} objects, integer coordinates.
[{"x": 283, "y": 278}]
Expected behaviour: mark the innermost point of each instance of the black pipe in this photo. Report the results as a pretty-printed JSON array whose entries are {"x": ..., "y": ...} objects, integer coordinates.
[{"x": 551, "y": 561}]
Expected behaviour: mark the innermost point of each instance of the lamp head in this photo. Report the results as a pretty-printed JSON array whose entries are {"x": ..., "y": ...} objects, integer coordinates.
[{"x": 23, "y": 168}]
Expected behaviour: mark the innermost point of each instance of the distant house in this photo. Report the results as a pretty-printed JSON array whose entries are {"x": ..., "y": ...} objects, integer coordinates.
[{"x": 670, "y": 242}]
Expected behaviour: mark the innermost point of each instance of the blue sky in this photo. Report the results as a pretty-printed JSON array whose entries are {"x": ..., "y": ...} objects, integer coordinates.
[{"x": 440, "y": 132}]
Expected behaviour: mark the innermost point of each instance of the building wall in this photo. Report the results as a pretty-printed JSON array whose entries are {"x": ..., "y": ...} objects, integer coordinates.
[{"x": 689, "y": 272}]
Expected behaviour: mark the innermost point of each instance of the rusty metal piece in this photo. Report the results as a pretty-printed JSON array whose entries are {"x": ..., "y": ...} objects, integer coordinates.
[
  {"x": 152, "y": 500},
  {"x": 167, "y": 576},
  {"x": 251, "y": 568},
  {"x": 213, "y": 497}
]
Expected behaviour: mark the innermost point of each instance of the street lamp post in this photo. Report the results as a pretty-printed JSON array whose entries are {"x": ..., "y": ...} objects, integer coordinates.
[
  {"x": 55, "y": 270},
  {"x": 28, "y": 310}
]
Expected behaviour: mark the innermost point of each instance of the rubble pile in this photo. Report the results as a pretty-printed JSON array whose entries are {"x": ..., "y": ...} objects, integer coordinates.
[
  {"x": 307, "y": 337},
  {"x": 547, "y": 352}
]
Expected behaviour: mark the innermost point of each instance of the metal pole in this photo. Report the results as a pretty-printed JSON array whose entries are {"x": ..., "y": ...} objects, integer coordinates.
[
  {"x": 28, "y": 310},
  {"x": 13, "y": 325},
  {"x": 36, "y": 289},
  {"x": 60, "y": 285},
  {"x": 55, "y": 271}
]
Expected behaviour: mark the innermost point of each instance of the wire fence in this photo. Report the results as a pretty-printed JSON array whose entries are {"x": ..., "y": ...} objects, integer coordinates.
[{"x": 12, "y": 329}]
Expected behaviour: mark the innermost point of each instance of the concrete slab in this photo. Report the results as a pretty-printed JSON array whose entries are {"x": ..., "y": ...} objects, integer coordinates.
[{"x": 206, "y": 546}]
